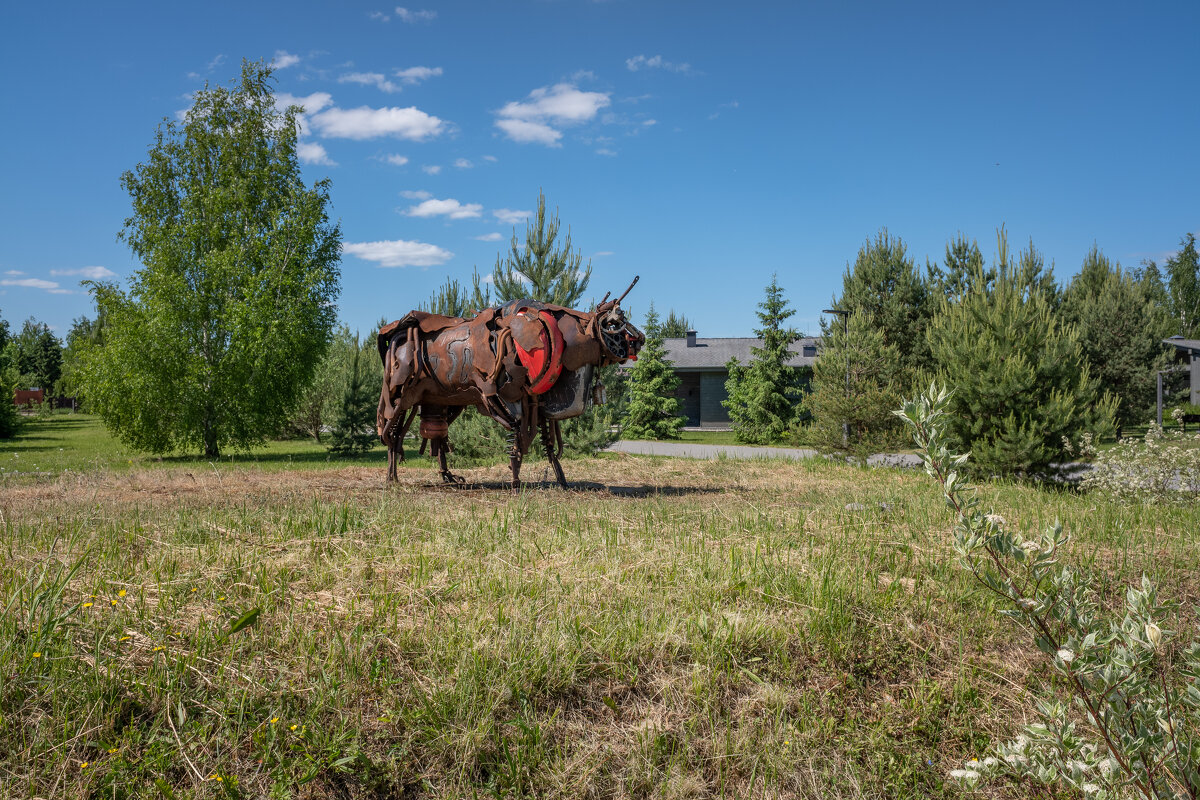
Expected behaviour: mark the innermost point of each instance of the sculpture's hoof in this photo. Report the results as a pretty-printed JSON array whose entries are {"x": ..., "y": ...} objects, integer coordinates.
[{"x": 450, "y": 477}]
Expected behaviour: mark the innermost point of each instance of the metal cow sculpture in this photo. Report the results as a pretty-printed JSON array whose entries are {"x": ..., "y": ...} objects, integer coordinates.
[{"x": 525, "y": 364}]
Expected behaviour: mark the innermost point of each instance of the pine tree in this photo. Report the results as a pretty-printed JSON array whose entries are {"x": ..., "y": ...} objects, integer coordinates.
[
  {"x": 1120, "y": 331},
  {"x": 354, "y": 431},
  {"x": 858, "y": 380},
  {"x": 1020, "y": 378},
  {"x": 885, "y": 286},
  {"x": 452, "y": 299},
  {"x": 954, "y": 277},
  {"x": 541, "y": 269},
  {"x": 762, "y": 396},
  {"x": 654, "y": 412}
]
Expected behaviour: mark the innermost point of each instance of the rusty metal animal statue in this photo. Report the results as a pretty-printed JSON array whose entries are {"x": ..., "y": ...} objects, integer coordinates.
[{"x": 525, "y": 364}]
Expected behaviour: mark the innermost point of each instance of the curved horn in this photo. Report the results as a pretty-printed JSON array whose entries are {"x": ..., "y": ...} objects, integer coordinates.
[{"x": 636, "y": 278}]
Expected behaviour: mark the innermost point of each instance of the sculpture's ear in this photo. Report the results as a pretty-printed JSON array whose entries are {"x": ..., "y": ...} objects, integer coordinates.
[{"x": 385, "y": 336}]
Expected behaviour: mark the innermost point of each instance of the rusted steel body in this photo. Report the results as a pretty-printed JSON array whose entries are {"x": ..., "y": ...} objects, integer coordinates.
[{"x": 525, "y": 364}]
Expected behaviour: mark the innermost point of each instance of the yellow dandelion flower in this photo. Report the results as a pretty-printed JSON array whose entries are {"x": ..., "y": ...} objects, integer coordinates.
[
  {"x": 124, "y": 638},
  {"x": 121, "y": 593},
  {"x": 114, "y": 602},
  {"x": 84, "y": 765},
  {"x": 87, "y": 605},
  {"x": 215, "y": 777},
  {"x": 292, "y": 728},
  {"x": 112, "y": 750},
  {"x": 37, "y": 655},
  {"x": 160, "y": 647},
  {"x": 194, "y": 589},
  {"x": 222, "y": 597},
  {"x": 274, "y": 720}
]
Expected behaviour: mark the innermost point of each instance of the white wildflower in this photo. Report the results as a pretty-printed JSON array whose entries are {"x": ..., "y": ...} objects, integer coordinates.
[
  {"x": 966, "y": 775},
  {"x": 1030, "y": 547},
  {"x": 1154, "y": 636},
  {"x": 996, "y": 520},
  {"x": 1090, "y": 788},
  {"x": 1065, "y": 655}
]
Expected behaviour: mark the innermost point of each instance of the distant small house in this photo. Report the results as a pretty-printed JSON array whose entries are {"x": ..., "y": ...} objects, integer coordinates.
[
  {"x": 701, "y": 367},
  {"x": 1189, "y": 349}
]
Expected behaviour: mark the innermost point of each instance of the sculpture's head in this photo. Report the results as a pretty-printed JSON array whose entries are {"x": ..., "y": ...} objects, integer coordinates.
[{"x": 619, "y": 338}]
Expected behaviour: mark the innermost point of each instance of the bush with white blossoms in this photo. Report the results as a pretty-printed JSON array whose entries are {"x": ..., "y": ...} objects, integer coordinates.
[
  {"x": 1162, "y": 467},
  {"x": 1136, "y": 692}
]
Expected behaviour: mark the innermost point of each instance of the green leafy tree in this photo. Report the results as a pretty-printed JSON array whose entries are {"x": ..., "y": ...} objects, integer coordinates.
[
  {"x": 224, "y": 325},
  {"x": 857, "y": 381},
  {"x": 321, "y": 402},
  {"x": 885, "y": 286},
  {"x": 85, "y": 333},
  {"x": 1021, "y": 380},
  {"x": 10, "y": 420},
  {"x": 675, "y": 326},
  {"x": 1183, "y": 271},
  {"x": 762, "y": 396},
  {"x": 542, "y": 268},
  {"x": 653, "y": 412},
  {"x": 38, "y": 356},
  {"x": 354, "y": 431},
  {"x": 1120, "y": 332}
]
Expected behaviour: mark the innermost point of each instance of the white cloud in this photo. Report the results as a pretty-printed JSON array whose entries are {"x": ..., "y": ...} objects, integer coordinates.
[
  {"x": 368, "y": 123},
  {"x": 648, "y": 122},
  {"x": 311, "y": 103},
  {"x": 561, "y": 104},
  {"x": 405, "y": 15},
  {"x": 510, "y": 217},
  {"x": 376, "y": 79},
  {"x": 13, "y": 272},
  {"x": 399, "y": 253},
  {"x": 379, "y": 15},
  {"x": 216, "y": 62},
  {"x": 492, "y": 159},
  {"x": 35, "y": 283},
  {"x": 489, "y": 237},
  {"x": 463, "y": 163},
  {"x": 313, "y": 153},
  {"x": 431, "y": 169},
  {"x": 602, "y": 253},
  {"x": 521, "y": 131},
  {"x": 414, "y": 75},
  {"x": 419, "y": 194},
  {"x": 604, "y": 151},
  {"x": 283, "y": 59},
  {"x": 655, "y": 62},
  {"x": 90, "y": 273},
  {"x": 448, "y": 208},
  {"x": 395, "y": 159}
]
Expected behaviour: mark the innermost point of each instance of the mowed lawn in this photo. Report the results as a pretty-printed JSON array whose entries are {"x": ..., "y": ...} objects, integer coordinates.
[{"x": 668, "y": 628}]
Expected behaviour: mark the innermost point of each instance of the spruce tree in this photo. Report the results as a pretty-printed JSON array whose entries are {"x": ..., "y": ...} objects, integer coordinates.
[
  {"x": 675, "y": 326},
  {"x": 452, "y": 299},
  {"x": 762, "y": 396},
  {"x": 1020, "y": 378},
  {"x": 354, "y": 431},
  {"x": 1120, "y": 330},
  {"x": 654, "y": 412},
  {"x": 542, "y": 268}
]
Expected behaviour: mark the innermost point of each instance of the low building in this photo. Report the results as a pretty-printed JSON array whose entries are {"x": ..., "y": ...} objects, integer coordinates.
[{"x": 701, "y": 365}]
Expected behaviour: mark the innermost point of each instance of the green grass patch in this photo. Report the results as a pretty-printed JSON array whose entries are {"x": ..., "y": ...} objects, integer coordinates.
[{"x": 670, "y": 628}]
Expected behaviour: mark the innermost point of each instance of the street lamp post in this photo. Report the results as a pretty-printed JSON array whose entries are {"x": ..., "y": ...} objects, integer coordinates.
[{"x": 845, "y": 317}]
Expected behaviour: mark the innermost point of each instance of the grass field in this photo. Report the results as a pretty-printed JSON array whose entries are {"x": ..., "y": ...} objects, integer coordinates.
[{"x": 668, "y": 628}]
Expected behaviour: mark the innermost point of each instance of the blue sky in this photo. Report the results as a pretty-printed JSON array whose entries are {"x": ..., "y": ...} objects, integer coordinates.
[{"x": 701, "y": 145}]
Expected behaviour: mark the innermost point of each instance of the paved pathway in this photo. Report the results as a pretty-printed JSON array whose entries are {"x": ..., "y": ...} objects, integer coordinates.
[{"x": 710, "y": 451}]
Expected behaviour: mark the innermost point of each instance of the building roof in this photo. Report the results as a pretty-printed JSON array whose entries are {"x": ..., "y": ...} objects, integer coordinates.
[
  {"x": 1178, "y": 341},
  {"x": 715, "y": 353}
]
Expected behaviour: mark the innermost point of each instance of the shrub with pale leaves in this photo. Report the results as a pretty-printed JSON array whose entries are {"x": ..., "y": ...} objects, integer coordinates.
[
  {"x": 1161, "y": 467},
  {"x": 1127, "y": 720}
]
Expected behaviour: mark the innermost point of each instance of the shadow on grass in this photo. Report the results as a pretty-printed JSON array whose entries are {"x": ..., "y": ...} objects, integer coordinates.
[
  {"x": 579, "y": 487},
  {"x": 373, "y": 459}
]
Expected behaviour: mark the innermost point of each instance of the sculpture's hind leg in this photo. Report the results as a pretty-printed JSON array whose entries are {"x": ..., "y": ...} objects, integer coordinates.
[
  {"x": 552, "y": 444},
  {"x": 441, "y": 447}
]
